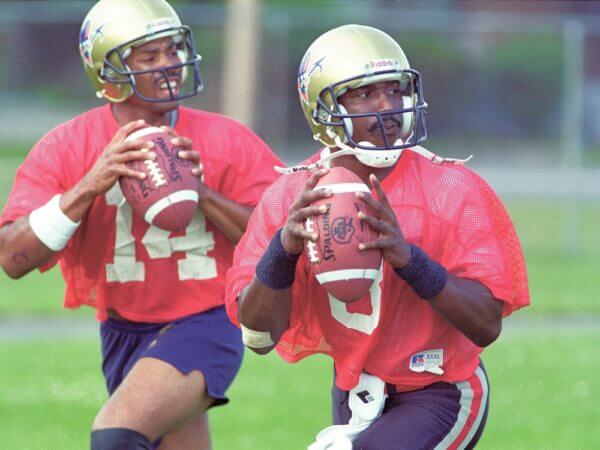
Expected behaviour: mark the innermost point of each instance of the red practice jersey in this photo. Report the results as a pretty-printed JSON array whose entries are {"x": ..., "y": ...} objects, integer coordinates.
[
  {"x": 116, "y": 260},
  {"x": 445, "y": 209}
]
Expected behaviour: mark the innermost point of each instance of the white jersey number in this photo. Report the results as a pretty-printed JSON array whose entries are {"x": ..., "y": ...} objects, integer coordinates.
[
  {"x": 196, "y": 244},
  {"x": 365, "y": 323}
]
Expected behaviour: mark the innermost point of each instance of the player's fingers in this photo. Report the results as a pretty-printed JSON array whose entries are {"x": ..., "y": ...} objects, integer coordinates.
[
  {"x": 290, "y": 242},
  {"x": 372, "y": 245},
  {"x": 314, "y": 179},
  {"x": 169, "y": 130},
  {"x": 134, "y": 155},
  {"x": 308, "y": 197},
  {"x": 124, "y": 171},
  {"x": 309, "y": 194},
  {"x": 127, "y": 129},
  {"x": 378, "y": 189},
  {"x": 180, "y": 141},
  {"x": 380, "y": 243},
  {"x": 304, "y": 213},
  {"x": 377, "y": 224},
  {"x": 126, "y": 146},
  {"x": 301, "y": 233},
  {"x": 191, "y": 155},
  {"x": 370, "y": 201},
  {"x": 382, "y": 210}
]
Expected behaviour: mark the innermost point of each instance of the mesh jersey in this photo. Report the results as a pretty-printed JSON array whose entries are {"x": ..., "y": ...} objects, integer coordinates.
[
  {"x": 447, "y": 210},
  {"x": 117, "y": 261}
]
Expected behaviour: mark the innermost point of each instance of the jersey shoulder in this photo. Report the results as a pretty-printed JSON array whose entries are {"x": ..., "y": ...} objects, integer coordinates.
[
  {"x": 448, "y": 176},
  {"x": 213, "y": 123},
  {"x": 442, "y": 190},
  {"x": 89, "y": 128},
  {"x": 219, "y": 137},
  {"x": 285, "y": 190}
]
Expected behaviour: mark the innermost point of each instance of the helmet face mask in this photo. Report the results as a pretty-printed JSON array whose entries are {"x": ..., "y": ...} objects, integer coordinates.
[
  {"x": 113, "y": 29},
  {"x": 352, "y": 57},
  {"x": 411, "y": 115},
  {"x": 116, "y": 71}
]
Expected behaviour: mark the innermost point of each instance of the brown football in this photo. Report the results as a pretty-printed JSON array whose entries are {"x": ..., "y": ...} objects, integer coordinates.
[
  {"x": 341, "y": 268},
  {"x": 168, "y": 196}
]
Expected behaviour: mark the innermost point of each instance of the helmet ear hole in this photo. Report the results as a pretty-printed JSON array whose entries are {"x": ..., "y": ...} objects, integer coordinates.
[{"x": 347, "y": 120}]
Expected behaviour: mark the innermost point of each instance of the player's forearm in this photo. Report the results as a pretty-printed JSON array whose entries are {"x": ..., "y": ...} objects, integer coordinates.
[
  {"x": 471, "y": 308},
  {"x": 31, "y": 241},
  {"x": 76, "y": 202},
  {"x": 20, "y": 249},
  {"x": 467, "y": 304},
  {"x": 264, "y": 309},
  {"x": 230, "y": 217}
]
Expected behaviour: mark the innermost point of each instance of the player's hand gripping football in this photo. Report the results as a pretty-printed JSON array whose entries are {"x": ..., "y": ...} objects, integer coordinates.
[
  {"x": 395, "y": 249},
  {"x": 294, "y": 234},
  {"x": 186, "y": 152},
  {"x": 111, "y": 164}
]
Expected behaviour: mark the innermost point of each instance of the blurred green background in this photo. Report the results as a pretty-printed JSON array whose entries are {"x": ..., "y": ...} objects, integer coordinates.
[{"x": 517, "y": 84}]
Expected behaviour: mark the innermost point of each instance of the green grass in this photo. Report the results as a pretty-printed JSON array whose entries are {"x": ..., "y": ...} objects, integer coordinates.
[
  {"x": 559, "y": 281},
  {"x": 544, "y": 388},
  {"x": 37, "y": 293},
  {"x": 50, "y": 393},
  {"x": 10, "y": 159}
]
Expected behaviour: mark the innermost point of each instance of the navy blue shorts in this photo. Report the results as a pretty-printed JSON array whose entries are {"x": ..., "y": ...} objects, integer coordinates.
[
  {"x": 439, "y": 416},
  {"x": 207, "y": 342}
]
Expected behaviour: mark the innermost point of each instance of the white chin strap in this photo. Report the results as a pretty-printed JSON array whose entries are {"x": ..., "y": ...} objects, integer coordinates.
[{"x": 371, "y": 158}]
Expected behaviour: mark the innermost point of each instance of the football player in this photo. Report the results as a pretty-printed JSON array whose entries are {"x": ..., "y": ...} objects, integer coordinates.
[
  {"x": 169, "y": 350},
  {"x": 406, "y": 355}
]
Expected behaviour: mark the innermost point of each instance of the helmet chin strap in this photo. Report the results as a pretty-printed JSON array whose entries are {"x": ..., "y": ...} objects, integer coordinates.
[
  {"x": 365, "y": 155},
  {"x": 323, "y": 162},
  {"x": 374, "y": 158}
]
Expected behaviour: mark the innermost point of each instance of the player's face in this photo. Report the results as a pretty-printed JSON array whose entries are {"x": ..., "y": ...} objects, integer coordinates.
[
  {"x": 153, "y": 55},
  {"x": 376, "y": 97}
]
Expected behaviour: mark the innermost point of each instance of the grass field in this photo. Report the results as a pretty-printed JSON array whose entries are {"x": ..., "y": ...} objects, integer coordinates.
[
  {"x": 544, "y": 395},
  {"x": 544, "y": 381}
]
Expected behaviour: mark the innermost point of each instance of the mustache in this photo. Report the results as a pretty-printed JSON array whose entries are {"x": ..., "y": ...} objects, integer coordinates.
[
  {"x": 376, "y": 125},
  {"x": 172, "y": 75}
]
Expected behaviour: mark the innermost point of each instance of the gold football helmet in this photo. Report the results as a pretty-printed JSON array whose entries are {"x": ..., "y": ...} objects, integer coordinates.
[
  {"x": 349, "y": 57},
  {"x": 113, "y": 27}
]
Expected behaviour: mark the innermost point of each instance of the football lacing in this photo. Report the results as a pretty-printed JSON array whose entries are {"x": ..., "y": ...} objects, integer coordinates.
[
  {"x": 313, "y": 256},
  {"x": 156, "y": 175}
]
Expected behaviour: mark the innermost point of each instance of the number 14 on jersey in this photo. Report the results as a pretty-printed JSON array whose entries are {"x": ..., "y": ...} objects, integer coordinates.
[{"x": 196, "y": 243}]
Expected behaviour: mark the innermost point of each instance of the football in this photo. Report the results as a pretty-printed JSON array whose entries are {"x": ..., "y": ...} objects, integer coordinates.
[
  {"x": 168, "y": 196},
  {"x": 341, "y": 268}
]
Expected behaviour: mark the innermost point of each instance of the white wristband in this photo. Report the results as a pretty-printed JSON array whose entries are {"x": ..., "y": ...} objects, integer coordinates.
[
  {"x": 256, "y": 339},
  {"x": 51, "y": 225}
]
